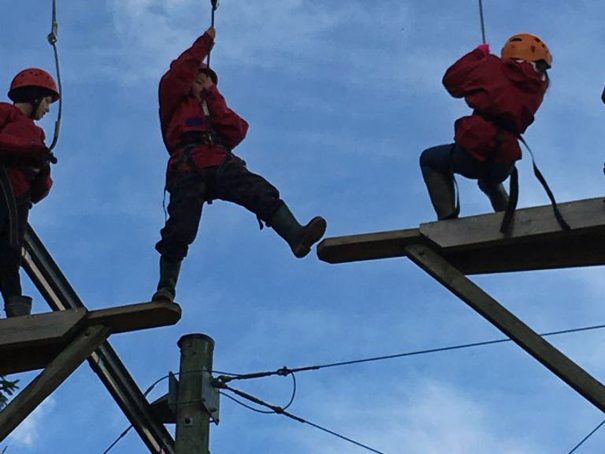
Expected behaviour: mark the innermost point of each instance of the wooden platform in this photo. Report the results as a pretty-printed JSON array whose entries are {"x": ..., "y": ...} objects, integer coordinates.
[
  {"x": 475, "y": 245},
  {"x": 33, "y": 341}
]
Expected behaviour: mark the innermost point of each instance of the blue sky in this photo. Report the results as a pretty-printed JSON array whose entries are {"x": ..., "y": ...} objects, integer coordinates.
[{"x": 341, "y": 97}]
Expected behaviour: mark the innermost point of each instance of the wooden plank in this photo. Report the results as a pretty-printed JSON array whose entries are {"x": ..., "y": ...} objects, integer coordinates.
[
  {"x": 31, "y": 342},
  {"x": 48, "y": 380},
  {"x": 509, "y": 324},
  {"x": 37, "y": 329},
  {"x": 530, "y": 224},
  {"x": 368, "y": 246},
  {"x": 474, "y": 244},
  {"x": 134, "y": 317}
]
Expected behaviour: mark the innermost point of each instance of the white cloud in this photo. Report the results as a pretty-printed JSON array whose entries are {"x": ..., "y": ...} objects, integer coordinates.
[{"x": 29, "y": 433}]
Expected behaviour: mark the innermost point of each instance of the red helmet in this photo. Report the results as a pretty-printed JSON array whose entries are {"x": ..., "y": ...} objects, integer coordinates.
[{"x": 33, "y": 78}]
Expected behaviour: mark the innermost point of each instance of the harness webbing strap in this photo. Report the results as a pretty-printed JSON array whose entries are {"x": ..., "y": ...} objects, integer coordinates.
[
  {"x": 564, "y": 225},
  {"x": 11, "y": 207},
  {"x": 511, "y": 206}
]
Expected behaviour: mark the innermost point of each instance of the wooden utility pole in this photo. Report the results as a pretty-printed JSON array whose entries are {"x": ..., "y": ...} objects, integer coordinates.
[{"x": 193, "y": 415}]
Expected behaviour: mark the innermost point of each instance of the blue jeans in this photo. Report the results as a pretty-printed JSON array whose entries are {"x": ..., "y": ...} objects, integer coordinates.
[{"x": 450, "y": 159}]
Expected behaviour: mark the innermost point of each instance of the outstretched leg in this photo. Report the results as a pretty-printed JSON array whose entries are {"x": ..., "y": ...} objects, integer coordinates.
[{"x": 235, "y": 183}]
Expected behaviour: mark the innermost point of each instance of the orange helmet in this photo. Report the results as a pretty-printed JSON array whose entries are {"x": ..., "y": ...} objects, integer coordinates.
[
  {"x": 528, "y": 47},
  {"x": 33, "y": 80}
]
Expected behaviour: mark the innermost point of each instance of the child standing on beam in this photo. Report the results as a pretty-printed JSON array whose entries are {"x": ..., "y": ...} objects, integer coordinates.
[
  {"x": 504, "y": 94},
  {"x": 200, "y": 132},
  {"x": 24, "y": 174}
]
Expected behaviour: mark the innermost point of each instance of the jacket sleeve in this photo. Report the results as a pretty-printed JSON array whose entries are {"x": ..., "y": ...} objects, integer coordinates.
[
  {"x": 176, "y": 83},
  {"x": 462, "y": 77},
  {"x": 16, "y": 150},
  {"x": 40, "y": 186},
  {"x": 229, "y": 125}
]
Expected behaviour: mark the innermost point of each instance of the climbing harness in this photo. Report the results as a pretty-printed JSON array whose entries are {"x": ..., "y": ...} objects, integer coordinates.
[
  {"x": 514, "y": 195},
  {"x": 214, "y": 7},
  {"x": 52, "y": 40},
  {"x": 482, "y": 22},
  {"x": 11, "y": 208}
]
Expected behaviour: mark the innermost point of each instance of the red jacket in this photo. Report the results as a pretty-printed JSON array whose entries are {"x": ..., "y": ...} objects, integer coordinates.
[
  {"x": 181, "y": 113},
  {"x": 505, "y": 95},
  {"x": 19, "y": 134}
]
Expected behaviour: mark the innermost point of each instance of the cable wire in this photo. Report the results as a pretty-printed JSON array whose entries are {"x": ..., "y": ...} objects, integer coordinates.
[
  {"x": 282, "y": 411},
  {"x": 125, "y": 432},
  {"x": 587, "y": 437},
  {"x": 285, "y": 371}
]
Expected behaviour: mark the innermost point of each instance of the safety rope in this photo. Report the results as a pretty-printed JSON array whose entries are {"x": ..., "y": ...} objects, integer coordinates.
[
  {"x": 214, "y": 7},
  {"x": 482, "y": 22},
  {"x": 52, "y": 40}
]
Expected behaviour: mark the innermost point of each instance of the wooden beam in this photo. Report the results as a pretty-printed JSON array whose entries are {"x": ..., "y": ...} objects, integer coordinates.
[
  {"x": 49, "y": 379},
  {"x": 367, "y": 246},
  {"x": 509, "y": 324},
  {"x": 28, "y": 343},
  {"x": 134, "y": 317},
  {"x": 475, "y": 245}
]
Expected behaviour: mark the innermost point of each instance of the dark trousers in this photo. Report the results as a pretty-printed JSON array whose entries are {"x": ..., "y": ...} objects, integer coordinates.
[
  {"x": 450, "y": 159},
  {"x": 231, "y": 181},
  {"x": 10, "y": 255}
]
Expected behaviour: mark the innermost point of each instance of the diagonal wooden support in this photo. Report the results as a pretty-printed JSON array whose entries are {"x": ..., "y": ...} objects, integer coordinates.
[
  {"x": 50, "y": 379},
  {"x": 505, "y": 321},
  {"x": 105, "y": 362}
]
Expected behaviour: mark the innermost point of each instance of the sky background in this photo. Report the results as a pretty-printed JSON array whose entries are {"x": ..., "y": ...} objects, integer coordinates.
[{"x": 342, "y": 97}]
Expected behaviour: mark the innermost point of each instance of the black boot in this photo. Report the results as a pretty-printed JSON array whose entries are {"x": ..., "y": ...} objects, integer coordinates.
[
  {"x": 300, "y": 238},
  {"x": 441, "y": 191},
  {"x": 169, "y": 275},
  {"x": 498, "y": 198},
  {"x": 16, "y": 306}
]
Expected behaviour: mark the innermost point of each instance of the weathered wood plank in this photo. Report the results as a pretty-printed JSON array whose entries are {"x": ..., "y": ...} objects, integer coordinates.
[
  {"x": 368, "y": 246},
  {"x": 48, "y": 380},
  {"x": 135, "y": 317},
  {"x": 30, "y": 342},
  {"x": 509, "y": 324},
  {"x": 475, "y": 245},
  {"x": 536, "y": 223},
  {"x": 37, "y": 329}
]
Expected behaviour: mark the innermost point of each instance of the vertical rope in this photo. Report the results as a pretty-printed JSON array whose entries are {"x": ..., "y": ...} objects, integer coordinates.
[
  {"x": 214, "y": 7},
  {"x": 484, "y": 41},
  {"x": 52, "y": 40}
]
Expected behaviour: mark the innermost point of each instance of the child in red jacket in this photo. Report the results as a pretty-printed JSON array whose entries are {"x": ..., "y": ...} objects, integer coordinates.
[
  {"x": 504, "y": 94},
  {"x": 199, "y": 132},
  {"x": 24, "y": 174}
]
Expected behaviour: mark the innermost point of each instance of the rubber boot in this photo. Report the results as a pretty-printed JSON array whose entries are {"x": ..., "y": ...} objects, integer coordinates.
[
  {"x": 16, "y": 306},
  {"x": 169, "y": 275},
  {"x": 498, "y": 198},
  {"x": 441, "y": 191},
  {"x": 300, "y": 238}
]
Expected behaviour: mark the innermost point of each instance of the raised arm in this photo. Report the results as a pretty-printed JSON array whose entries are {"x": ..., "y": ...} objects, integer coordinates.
[{"x": 177, "y": 81}]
